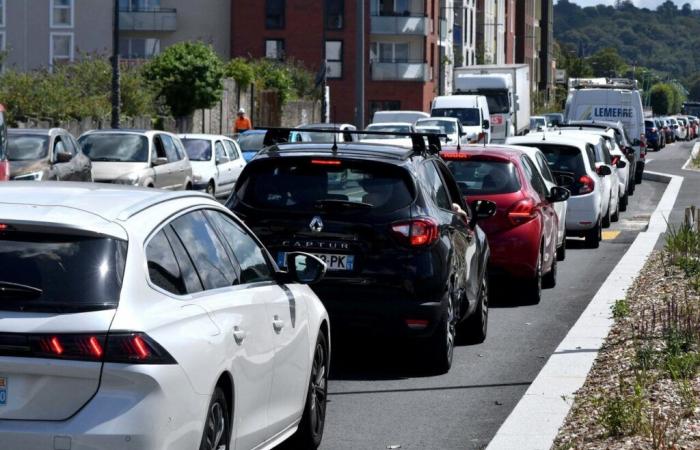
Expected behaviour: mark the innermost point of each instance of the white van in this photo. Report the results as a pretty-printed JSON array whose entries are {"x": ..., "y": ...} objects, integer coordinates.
[
  {"x": 611, "y": 101},
  {"x": 398, "y": 116},
  {"x": 471, "y": 110}
]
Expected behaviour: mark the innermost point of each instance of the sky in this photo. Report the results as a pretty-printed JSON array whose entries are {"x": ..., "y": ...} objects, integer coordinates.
[{"x": 651, "y": 4}]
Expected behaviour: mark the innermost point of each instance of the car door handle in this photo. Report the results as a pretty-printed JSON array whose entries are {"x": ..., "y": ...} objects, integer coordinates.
[
  {"x": 277, "y": 324},
  {"x": 239, "y": 335}
]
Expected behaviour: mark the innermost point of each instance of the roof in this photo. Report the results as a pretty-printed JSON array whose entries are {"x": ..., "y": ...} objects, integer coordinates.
[
  {"x": 38, "y": 131},
  {"x": 510, "y": 152},
  {"x": 202, "y": 136},
  {"x": 595, "y": 123},
  {"x": 138, "y": 131},
  {"x": 389, "y": 124},
  {"x": 255, "y": 131},
  {"x": 344, "y": 149},
  {"x": 551, "y": 138}
]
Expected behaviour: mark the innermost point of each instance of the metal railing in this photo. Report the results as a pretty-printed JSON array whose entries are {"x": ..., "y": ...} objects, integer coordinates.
[
  {"x": 400, "y": 24},
  {"x": 148, "y": 19}
]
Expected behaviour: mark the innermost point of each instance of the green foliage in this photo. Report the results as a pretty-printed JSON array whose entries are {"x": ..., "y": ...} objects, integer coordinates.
[
  {"x": 620, "y": 309},
  {"x": 289, "y": 79},
  {"x": 607, "y": 63},
  {"x": 662, "y": 99},
  {"x": 241, "y": 71},
  {"x": 680, "y": 360},
  {"x": 624, "y": 413},
  {"x": 188, "y": 76}
]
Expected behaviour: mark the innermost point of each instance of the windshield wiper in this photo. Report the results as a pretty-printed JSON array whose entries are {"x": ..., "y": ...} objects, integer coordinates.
[
  {"x": 340, "y": 204},
  {"x": 17, "y": 290}
]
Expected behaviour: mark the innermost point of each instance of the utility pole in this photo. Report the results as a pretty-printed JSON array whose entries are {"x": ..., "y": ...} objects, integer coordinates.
[
  {"x": 360, "y": 66},
  {"x": 116, "y": 94}
]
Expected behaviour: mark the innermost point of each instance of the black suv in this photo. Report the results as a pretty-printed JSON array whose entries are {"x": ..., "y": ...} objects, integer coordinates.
[{"x": 405, "y": 257}]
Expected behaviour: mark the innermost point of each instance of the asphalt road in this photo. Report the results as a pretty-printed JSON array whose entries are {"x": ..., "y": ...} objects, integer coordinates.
[{"x": 380, "y": 399}]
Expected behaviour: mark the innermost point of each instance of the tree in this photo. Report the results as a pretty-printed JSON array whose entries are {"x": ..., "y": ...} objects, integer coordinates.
[
  {"x": 694, "y": 88},
  {"x": 607, "y": 63},
  {"x": 188, "y": 76},
  {"x": 661, "y": 99}
]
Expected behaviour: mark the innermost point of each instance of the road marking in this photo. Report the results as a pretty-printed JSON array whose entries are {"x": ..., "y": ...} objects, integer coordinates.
[
  {"x": 535, "y": 421},
  {"x": 610, "y": 235},
  {"x": 693, "y": 154}
]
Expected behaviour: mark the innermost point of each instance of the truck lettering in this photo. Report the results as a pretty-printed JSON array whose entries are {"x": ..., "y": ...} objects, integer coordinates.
[{"x": 613, "y": 112}]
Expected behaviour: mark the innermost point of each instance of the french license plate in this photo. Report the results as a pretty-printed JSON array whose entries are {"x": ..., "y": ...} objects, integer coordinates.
[
  {"x": 3, "y": 390},
  {"x": 333, "y": 262}
]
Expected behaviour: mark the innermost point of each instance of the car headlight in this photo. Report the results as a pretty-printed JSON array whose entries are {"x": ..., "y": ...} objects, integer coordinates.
[
  {"x": 196, "y": 177},
  {"x": 131, "y": 179},
  {"x": 33, "y": 176}
]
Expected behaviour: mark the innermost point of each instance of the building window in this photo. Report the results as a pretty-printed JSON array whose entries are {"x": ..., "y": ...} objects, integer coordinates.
[
  {"x": 61, "y": 48},
  {"x": 2, "y": 16},
  {"x": 138, "y": 48},
  {"x": 391, "y": 52},
  {"x": 274, "y": 49},
  {"x": 274, "y": 14},
  {"x": 62, "y": 13},
  {"x": 383, "y": 105},
  {"x": 335, "y": 14},
  {"x": 334, "y": 59},
  {"x": 139, "y": 5},
  {"x": 393, "y": 7}
]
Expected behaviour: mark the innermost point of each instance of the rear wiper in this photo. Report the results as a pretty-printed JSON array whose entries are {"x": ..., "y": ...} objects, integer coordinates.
[
  {"x": 15, "y": 290},
  {"x": 340, "y": 204}
]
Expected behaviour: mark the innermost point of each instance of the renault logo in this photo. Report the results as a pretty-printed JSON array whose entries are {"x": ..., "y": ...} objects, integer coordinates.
[{"x": 316, "y": 224}]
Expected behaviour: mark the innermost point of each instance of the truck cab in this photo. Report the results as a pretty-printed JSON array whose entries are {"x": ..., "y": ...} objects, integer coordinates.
[{"x": 471, "y": 110}]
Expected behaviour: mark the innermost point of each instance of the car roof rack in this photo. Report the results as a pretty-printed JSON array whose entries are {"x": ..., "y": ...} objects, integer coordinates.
[
  {"x": 277, "y": 136},
  {"x": 603, "y": 83}
]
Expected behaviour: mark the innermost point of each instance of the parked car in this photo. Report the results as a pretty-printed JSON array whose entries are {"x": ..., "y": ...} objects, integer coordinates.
[
  {"x": 4, "y": 163},
  {"x": 46, "y": 154},
  {"x": 683, "y": 126},
  {"x": 398, "y": 116},
  {"x": 523, "y": 234},
  {"x": 251, "y": 142},
  {"x": 572, "y": 161},
  {"x": 652, "y": 134},
  {"x": 538, "y": 123},
  {"x": 406, "y": 258},
  {"x": 154, "y": 317},
  {"x": 146, "y": 158},
  {"x": 324, "y": 136},
  {"x": 554, "y": 119},
  {"x": 659, "y": 124},
  {"x": 668, "y": 130},
  {"x": 471, "y": 110},
  {"x": 690, "y": 127},
  {"x": 399, "y": 127},
  {"x": 216, "y": 161},
  {"x": 451, "y": 126}
]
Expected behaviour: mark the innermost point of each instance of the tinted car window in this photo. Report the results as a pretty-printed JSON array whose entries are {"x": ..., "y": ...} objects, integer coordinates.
[
  {"x": 433, "y": 182},
  {"x": 27, "y": 147},
  {"x": 231, "y": 150},
  {"x": 534, "y": 176},
  {"x": 189, "y": 274},
  {"x": 485, "y": 177},
  {"x": 118, "y": 147},
  {"x": 52, "y": 272},
  {"x": 250, "y": 258},
  {"x": 470, "y": 117},
  {"x": 311, "y": 185},
  {"x": 198, "y": 149},
  {"x": 544, "y": 168},
  {"x": 170, "y": 150},
  {"x": 251, "y": 141},
  {"x": 163, "y": 269},
  {"x": 206, "y": 250}
]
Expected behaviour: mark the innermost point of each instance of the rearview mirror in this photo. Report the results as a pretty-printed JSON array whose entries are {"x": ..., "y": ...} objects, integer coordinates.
[
  {"x": 486, "y": 125},
  {"x": 558, "y": 194},
  {"x": 63, "y": 157},
  {"x": 305, "y": 268},
  {"x": 160, "y": 161},
  {"x": 603, "y": 171},
  {"x": 481, "y": 209}
]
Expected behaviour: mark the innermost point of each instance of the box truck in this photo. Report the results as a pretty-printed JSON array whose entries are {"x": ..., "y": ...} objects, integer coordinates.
[{"x": 507, "y": 89}]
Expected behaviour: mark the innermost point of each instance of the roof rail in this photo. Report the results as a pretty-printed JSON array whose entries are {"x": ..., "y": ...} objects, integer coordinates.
[
  {"x": 275, "y": 136},
  {"x": 603, "y": 83},
  {"x": 136, "y": 208}
]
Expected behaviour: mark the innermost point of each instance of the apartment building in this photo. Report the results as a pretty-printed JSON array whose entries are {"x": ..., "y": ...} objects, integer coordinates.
[
  {"x": 464, "y": 32},
  {"x": 446, "y": 27},
  {"x": 401, "y": 53},
  {"x": 41, "y": 33},
  {"x": 528, "y": 38},
  {"x": 509, "y": 35},
  {"x": 546, "y": 56}
]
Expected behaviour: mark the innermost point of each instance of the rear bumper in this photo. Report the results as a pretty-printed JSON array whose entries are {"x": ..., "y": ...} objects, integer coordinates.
[
  {"x": 131, "y": 411},
  {"x": 514, "y": 252},
  {"x": 583, "y": 212}
]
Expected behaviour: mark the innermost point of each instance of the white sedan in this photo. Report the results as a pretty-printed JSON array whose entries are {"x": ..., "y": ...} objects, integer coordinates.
[
  {"x": 149, "y": 320},
  {"x": 217, "y": 161}
]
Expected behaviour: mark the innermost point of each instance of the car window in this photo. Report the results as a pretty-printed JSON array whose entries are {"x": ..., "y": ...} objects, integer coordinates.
[
  {"x": 118, "y": 147},
  {"x": 189, "y": 273},
  {"x": 544, "y": 168},
  {"x": 476, "y": 176},
  {"x": 250, "y": 257},
  {"x": 231, "y": 150},
  {"x": 220, "y": 152},
  {"x": 163, "y": 269},
  {"x": 170, "y": 151},
  {"x": 590, "y": 153},
  {"x": 198, "y": 149},
  {"x": 158, "y": 147},
  {"x": 435, "y": 186},
  {"x": 534, "y": 176},
  {"x": 69, "y": 145},
  {"x": 449, "y": 183},
  {"x": 201, "y": 242},
  {"x": 180, "y": 149},
  {"x": 58, "y": 147}
]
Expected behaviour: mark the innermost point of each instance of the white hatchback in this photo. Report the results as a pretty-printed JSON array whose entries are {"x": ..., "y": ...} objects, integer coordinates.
[
  {"x": 216, "y": 161},
  {"x": 144, "y": 319}
]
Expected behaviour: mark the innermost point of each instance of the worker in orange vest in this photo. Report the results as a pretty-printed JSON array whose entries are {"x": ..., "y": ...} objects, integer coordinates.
[{"x": 242, "y": 123}]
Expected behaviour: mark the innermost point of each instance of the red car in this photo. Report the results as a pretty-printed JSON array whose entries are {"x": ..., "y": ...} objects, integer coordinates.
[{"x": 522, "y": 235}]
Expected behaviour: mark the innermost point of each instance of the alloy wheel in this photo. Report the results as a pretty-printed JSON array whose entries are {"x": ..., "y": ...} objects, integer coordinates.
[
  {"x": 318, "y": 389},
  {"x": 215, "y": 428},
  {"x": 210, "y": 189},
  {"x": 484, "y": 305}
]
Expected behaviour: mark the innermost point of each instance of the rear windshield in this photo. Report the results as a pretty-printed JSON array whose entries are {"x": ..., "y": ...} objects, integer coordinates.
[
  {"x": 115, "y": 147},
  {"x": 304, "y": 185},
  {"x": 251, "y": 142},
  {"x": 649, "y": 123},
  {"x": 198, "y": 149},
  {"x": 476, "y": 177},
  {"x": 56, "y": 273},
  {"x": 27, "y": 147},
  {"x": 561, "y": 158},
  {"x": 468, "y": 116},
  {"x": 445, "y": 126}
]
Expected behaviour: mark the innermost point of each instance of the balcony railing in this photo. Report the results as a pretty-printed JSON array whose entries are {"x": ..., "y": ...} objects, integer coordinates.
[
  {"x": 155, "y": 19},
  {"x": 400, "y": 71},
  {"x": 413, "y": 25}
]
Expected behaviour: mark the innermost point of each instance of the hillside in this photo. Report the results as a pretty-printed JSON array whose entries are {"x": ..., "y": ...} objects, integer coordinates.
[{"x": 666, "y": 39}]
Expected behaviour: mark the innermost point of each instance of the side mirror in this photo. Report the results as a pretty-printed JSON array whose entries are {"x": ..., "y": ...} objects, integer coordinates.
[
  {"x": 486, "y": 125},
  {"x": 160, "y": 161},
  {"x": 558, "y": 194},
  {"x": 482, "y": 209},
  {"x": 305, "y": 268},
  {"x": 603, "y": 171},
  {"x": 63, "y": 157}
]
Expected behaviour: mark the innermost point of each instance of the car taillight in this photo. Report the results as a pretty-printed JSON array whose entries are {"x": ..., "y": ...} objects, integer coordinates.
[
  {"x": 522, "y": 211},
  {"x": 135, "y": 348},
  {"x": 4, "y": 170},
  {"x": 416, "y": 232},
  {"x": 587, "y": 184},
  {"x": 615, "y": 160}
]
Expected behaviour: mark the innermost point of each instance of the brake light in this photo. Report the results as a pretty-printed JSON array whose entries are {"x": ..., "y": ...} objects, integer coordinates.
[
  {"x": 55, "y": 346},
  {"x": 135, "y": 348},
  {"x": 416, "y": 232},
  {"x": 615, "y": 160},
  {"x": 448, "y": 156},
  {"x": 522, "y": 211},
  {"x": 325, "y": 162},
  {"x": 587, "y": 184},
  {"x": 4, "y": 170}
]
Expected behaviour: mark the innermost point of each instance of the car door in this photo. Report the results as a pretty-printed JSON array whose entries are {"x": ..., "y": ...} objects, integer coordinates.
[
  {"x": 559, "y": 207},
  {"x": 288, "y": 319},
  {"x": 81, "y": 166},
  {"x": 239, "y": 311},
  {"x": 224, "y": 170},
  {"x": 161, "y": 172},
  {"x": 546, "y": 210},
  {"x": 236, "y": 157},
  {"x": 177, "y": 178}
]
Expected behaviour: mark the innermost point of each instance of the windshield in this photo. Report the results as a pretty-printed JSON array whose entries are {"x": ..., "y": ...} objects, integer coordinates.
[
  {"x": 27, "y": 147},
  {"x": 116, "y": 147},
  {"x": 304, "y": 185},
  {"x": 498, "y": 102},
  {"x": 251, "y": 141},
  {"x": 50, "y": 272},
  {"x": 198, "y": 149},
  {"x": 446, "y": 127},
  {"x": 536, "y": 121},
  {"x": 476, "y": 177},
  {"x": 470, "y": 117}
]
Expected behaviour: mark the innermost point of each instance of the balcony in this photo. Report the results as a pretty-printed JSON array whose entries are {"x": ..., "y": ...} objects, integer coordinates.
[
  {"x": 400, "y": 71},
  {"x": 156, "y": 19},
  {"x": 397, "y": 25}
]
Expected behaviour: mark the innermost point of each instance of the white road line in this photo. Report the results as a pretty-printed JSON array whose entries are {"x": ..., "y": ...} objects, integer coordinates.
[{"x": 536, "y": 419}]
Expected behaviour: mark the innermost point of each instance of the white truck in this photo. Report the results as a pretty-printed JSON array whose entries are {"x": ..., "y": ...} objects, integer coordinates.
[{"x": 507, "y": 89}]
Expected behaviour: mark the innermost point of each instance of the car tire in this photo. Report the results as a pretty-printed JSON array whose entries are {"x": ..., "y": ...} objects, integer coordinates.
[
  {"x": 440, "y": 346},
  {"x": 606, "y": 218},
  {"x": 211, "y": 189},
  {"x": 475, "y": 327},
  {"x": 549, "y": 280},
  {"x": 624, "y": 200},
  {"x": 217, "y": 426},
  {"x": 561, "y": 251},
  {"x": 593, "y": 236},
  {"x": 632, "y": 186},
  {"x": 310, "y": 431},
  {"x": 533, "y": 286},
  {"x": 616, "y": 215}
]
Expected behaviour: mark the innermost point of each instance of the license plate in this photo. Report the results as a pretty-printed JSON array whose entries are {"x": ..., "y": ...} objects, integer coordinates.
[
  {"x": 3, "y": 390},
  {"x": 333, "y": 262}
]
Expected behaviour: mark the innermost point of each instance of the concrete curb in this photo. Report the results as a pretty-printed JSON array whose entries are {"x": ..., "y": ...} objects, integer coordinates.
[
  {"x": 693, "y": 155},
  {"x": 535, "y": 421}
]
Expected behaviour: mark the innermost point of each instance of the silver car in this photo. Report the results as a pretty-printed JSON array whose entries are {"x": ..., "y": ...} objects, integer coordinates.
[{"x": 145, "y": 158}]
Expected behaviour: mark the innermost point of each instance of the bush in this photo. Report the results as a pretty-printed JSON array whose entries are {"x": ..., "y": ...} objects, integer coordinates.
[{"x": 241, "y": 71}]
